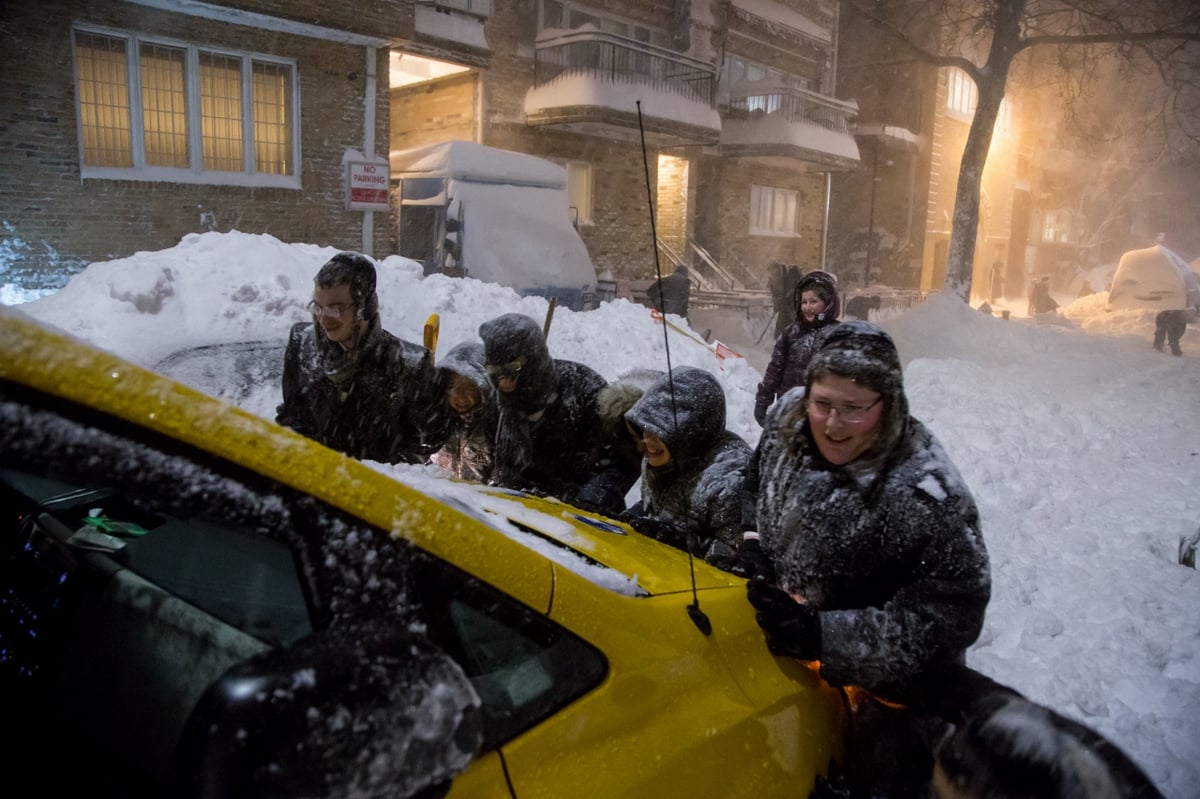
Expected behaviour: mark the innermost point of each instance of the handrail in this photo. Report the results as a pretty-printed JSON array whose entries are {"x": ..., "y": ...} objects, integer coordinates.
[
  {"x": 794, "y": 105},
  {"x": 729, "y": 282},
  {"x": 620, "y": 59}
]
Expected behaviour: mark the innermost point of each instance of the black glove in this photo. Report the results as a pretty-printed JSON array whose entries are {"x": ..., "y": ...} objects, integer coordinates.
[
  {"x": 658, "y": 529},
  {"x": 752, "y": 562},
  {"x": 760, "y": 412},
  {"x": 791, "y": 628}
]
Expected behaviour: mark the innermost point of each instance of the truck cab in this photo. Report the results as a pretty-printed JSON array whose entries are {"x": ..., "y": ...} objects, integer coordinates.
[{"x": 468, "y": 210}]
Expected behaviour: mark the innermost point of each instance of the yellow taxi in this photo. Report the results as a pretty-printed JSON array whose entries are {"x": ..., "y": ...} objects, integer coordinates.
[{"x": 198, "y": 602}]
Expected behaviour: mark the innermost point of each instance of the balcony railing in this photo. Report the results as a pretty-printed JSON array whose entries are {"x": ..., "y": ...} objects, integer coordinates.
[
  {"x": 608, "y": 57},
  {"x": 794, "y": 105}
]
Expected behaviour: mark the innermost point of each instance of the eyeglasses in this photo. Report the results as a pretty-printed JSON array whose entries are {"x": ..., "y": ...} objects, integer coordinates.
[
  {"x": 511, "y": 370},
  {"x": 850, "y": 414},
  {"x": 333, "y": 311}
]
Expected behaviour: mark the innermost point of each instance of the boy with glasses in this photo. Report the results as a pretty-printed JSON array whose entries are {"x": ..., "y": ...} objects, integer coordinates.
[{"x": 350, "y": 384}]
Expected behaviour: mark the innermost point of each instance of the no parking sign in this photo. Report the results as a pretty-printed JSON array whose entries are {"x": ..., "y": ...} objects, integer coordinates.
[{"x": 367, "y": 186}]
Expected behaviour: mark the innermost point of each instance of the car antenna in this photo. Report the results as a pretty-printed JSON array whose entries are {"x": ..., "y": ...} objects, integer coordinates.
[{"x": 698, "y": 616}]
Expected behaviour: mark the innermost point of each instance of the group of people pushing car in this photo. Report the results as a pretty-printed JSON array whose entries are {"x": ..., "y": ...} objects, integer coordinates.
[{"x": 861, "y": 540}]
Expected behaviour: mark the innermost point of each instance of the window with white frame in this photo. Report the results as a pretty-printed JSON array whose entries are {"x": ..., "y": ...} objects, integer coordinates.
[
  {"x": 579, "y": 191},
  {"x": 962, "y": 96},
  {"x": 173, "y": 111},
  {"x": 1056, "y": 227},
  {"x": 774, "y": 212}
]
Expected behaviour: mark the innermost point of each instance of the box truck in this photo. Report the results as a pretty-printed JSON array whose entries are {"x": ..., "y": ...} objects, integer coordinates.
[{"x": 474, "y": 211}]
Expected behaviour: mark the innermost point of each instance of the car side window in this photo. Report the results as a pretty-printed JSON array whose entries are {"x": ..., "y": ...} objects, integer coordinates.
[
  {"x": 524, "y": 666},
  {"x": 269, "y": 561},
  {"x": 96, "y": 496}
]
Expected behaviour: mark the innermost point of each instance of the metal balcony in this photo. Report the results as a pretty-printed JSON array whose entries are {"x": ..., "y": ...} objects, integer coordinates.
[
  {"x": 587, "y": 79},
  {"x": 792, "y": 124}
]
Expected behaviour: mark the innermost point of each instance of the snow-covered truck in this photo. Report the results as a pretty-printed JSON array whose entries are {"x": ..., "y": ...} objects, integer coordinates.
[{"x": 475, "y": 211}]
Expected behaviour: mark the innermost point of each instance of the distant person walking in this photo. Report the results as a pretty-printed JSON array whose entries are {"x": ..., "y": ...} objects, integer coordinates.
[
  {"x": 1040, "y": 300},
  {"x": 1169, "y": 326}
]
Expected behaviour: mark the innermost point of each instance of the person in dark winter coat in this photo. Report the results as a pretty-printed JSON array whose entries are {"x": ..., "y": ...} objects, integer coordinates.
[
  {"x": 1169, "y": 326},
  {"x": 693, "y": 467},
  {"x": 1040, "y": 300},
  {"x": 612, "y": 403},
  {"x": 468, "y": 451},
  {"x": 350, "y": 384},
  {"x": 817, "y": 308},
  {"x": 672, "y": 293},
  {"x": 548, "y": 437},
  {"x": 880, "y": 568}
]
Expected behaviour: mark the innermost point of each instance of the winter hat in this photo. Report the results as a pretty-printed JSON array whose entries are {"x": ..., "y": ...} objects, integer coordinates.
[
  {"x": 357, "y": 271},
  {"x": 864, "y": 353},
  {"x": 686, "y": 412},
  {"x": 514, "y": 336}
]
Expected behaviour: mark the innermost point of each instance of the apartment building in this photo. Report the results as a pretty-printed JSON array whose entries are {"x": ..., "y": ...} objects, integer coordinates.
[{"x": 128, "y": 124}]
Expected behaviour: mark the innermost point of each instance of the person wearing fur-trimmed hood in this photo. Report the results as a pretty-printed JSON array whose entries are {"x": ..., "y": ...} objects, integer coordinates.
[
  {"x": 350, "y": 384},
  {"x": 818, "y": 306},
  {"x": 621, "y": 451},
  {"x": 692, "y": 468},
  {"x": 547, "y": 436},
  {"x": 468, "y": 451},
  {"x": 881, "y": 572}
]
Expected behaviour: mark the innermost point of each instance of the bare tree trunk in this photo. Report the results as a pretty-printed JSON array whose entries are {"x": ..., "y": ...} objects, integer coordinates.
[{"x": 990, "y": 81}]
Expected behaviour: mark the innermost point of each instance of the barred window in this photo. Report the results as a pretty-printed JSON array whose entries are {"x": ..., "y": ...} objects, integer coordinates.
[
  {"x": 774, "y": 212},
  {"x": 203, "y": 115},
  {"x": 962, "y": 95}
]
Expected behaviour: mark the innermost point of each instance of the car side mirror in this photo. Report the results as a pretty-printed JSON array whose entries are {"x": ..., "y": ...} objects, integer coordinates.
[{"x": 363, "y": 709}]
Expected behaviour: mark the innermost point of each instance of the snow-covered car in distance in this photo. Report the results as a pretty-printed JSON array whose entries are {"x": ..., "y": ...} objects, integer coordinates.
[{"x": 198, "y": 602}]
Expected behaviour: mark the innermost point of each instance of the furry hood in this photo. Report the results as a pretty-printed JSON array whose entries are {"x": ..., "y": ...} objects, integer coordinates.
[{"x": 615, "y": 399}]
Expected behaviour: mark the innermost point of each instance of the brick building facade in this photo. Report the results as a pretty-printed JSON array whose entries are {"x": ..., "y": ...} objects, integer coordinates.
[{"x": 736, "y": 157}]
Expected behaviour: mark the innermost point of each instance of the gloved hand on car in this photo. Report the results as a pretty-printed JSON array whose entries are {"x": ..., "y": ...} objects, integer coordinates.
[
  {"x": 658, "y": 529},
  {"x": 749, "y": 560},
  {"x": 792, "y": 628}
]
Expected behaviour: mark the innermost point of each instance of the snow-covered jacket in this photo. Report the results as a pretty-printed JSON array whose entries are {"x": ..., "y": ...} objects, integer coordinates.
[
  {"x": 468, "y": 450},
  {"x": 548, "y": 429},
  {"x": 699, "y": 490},
  {"x": 377, "y": 402},
  {"x": 887, "y": 547},
  {"x": 612, "y": 403},
  {"x": 799, "y": 341}
]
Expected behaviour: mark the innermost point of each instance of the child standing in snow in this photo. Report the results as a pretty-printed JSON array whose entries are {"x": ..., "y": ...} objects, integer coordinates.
[{"x": 817, "y": 309}]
